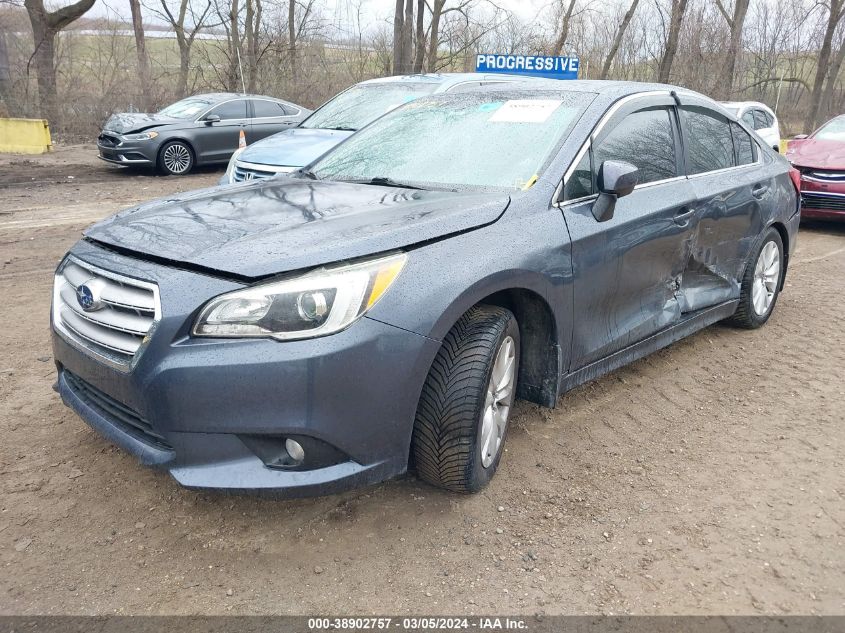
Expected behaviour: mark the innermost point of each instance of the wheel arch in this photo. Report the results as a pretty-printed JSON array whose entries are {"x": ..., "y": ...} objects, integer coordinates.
[{"x": 525, "y": 294}]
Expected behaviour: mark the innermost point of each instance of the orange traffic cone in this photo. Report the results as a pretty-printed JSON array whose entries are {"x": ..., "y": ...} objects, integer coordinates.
[{"x": 241, "y": 140}]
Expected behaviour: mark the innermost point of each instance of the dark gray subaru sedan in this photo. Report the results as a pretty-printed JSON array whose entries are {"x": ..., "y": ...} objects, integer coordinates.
[{"x": 384, "y": 306}]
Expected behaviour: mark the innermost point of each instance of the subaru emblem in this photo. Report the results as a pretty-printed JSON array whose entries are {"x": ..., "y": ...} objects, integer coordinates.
[{"x": 87, "y": 299}]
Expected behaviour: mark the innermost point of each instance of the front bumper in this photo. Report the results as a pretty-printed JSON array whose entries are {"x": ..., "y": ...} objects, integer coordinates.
[
  {"x": 127, "y": 154},
  {"x": 355, "y": 391},
  {"x": 822, "y": 199}
]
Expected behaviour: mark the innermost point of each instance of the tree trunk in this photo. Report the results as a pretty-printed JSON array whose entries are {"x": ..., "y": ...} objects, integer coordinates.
[
  {"x": 144, "y": 97},
  {"x": 827, "y": 97},
  {"x": 836, "y": 12},
  {"x": 560, "y": 42},
  {"x": 294, "y": 62},
  {"x": 419, "y": 37},
  {"x": 45, "y": 25},
  {"x": 675, "y": 21},
  {"x": 398, "y": 27},
  {"x": 724, "y": 85},
  {"x": 6, "y": 106},
  {"x": 184, "y": 64},
  {"x": 434, "y": 34},
  {"x": 407, "y": 38},
  {"x": 251, "y": 31},
  {"x": 234, "y": 80},
  {"x": 617, "y": 40}
]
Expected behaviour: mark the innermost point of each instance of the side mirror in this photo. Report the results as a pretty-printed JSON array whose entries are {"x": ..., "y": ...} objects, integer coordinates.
[
  {"x": 211, "y": 118},
  {"x": 615, "y": 179},
  {"x": 800, "y": 137}
]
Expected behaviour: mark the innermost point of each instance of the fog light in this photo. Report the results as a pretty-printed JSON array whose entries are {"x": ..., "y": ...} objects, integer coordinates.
[{"x": 295, "y": 450}]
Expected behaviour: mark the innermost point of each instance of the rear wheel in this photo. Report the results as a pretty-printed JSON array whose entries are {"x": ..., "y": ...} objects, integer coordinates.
[
  {"x": 176, "y": 158},
  {"x": 761, "y": 283},
  {"x": 462, "y": 416}
]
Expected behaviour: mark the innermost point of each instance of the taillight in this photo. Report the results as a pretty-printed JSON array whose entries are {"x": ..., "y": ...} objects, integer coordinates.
[{"x": 795, "y": 175}]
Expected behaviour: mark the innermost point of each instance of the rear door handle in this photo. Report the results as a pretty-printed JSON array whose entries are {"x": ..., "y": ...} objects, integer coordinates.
[
  {"x": 759, "y": 190},
  {"x": 683, "y": 214}
]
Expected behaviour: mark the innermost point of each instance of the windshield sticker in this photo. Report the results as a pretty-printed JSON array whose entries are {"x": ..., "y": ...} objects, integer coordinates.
[{"x": 525, "y": 111}]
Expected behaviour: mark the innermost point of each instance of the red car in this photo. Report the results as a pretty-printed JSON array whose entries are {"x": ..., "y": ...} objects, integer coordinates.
[{"x": 820, "y": 158}]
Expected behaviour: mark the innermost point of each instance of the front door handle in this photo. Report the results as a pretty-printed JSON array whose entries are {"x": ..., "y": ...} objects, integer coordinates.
[
  {"x": 759, "y": 190},
  {"x": 683, "y": 214}
]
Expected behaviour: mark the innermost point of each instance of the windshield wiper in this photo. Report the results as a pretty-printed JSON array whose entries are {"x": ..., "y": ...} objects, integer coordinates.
[
  {"x": 384, "y": 181},
  {"x": 307, "y": 173},
  {"x": 342, "y": 128}
]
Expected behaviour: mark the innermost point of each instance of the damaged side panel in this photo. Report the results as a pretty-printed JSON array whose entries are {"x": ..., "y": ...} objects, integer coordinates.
[{"x": 629, "y": 270}]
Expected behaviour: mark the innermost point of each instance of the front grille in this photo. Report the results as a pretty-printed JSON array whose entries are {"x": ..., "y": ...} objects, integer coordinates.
[
  {"x": 121, "y": 314},
  {"x": 821, "y": 201},
  {"x": 825, "y": 175},
  {"x": 128, "y": 420},
  {"x": 243, "y": 172},
  {"x": 107, "y": 140}
]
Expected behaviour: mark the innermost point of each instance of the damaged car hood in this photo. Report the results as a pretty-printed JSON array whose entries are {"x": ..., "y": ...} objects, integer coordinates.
[
  {"x": 128, "y": 122},
  {"x": 817, "y": 153},
  {"x": 281, "y": 224}
]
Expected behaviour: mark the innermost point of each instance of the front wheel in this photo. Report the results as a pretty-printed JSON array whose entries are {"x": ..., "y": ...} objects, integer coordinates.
[
  {"x": 176, "y": 158},
  {"x": 761, "y": 283},
  {"x": 462, "y": 416}
]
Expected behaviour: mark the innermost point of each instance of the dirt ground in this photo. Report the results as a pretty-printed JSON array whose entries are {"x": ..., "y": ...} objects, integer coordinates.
[{"x": 708, "y": 478}]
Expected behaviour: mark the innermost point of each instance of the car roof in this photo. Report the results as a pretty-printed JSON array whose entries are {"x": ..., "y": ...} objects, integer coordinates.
[
  {"x": 216, "y": 97},
  {"x": 742, "y": 105}
]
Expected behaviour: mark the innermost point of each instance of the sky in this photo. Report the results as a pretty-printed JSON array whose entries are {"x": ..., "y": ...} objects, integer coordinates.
[{"x": 340, "y": 12}]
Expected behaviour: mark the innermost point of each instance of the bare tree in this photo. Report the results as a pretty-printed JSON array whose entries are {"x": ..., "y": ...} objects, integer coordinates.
[
  {"x": 398, "y": 33},
  {"x": 144, "y": 97},
  {"x": 419, "y": 37},
  {"x": 725, "y": 80},
  {"x": 836, "y": 10},
  {"x": 563, "y": 33},
  {"x": 617, "y": 40},
  {"x": 45, "y": 25},
  {"x": 186, "y": 23},
  {"x": 676, "y": 19},
  {"x": 5, "y": 76}
]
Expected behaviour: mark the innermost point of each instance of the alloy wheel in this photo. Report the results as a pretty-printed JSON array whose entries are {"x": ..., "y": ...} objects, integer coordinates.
[
  {"x": 177, "y": 158},
  {"x": 497, "y": 404},
  {"x": 766, "y": 278}
]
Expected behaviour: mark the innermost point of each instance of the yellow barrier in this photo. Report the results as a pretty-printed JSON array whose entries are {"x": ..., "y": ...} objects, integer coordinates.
[
  {"x": 783, "y": 144},
  {"x": 25, "y": 136}
]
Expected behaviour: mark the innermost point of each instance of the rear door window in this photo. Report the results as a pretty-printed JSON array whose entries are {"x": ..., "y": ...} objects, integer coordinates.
[
  {"x": 760, "y": 120},
  {"x": 645, "y": 139},
  {"x": 263, "y": 109},
  {"x": 708, "y": 140},
  {"x": 743, "y": 146},
  {"x": 231, "y": 110}
]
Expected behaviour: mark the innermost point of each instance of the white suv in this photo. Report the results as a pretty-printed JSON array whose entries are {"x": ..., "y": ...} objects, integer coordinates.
[{"x": 758, "y": 117}]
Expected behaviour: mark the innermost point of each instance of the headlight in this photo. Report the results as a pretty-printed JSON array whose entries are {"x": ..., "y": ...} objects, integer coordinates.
[
  {"x": 141, "y": 136},
  {"x": 321, "y": 302},
  {"x": 231, "y": 167}
]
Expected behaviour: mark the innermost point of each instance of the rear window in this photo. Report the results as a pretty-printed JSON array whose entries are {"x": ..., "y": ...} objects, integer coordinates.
[{"x": 708, "y": 140}]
